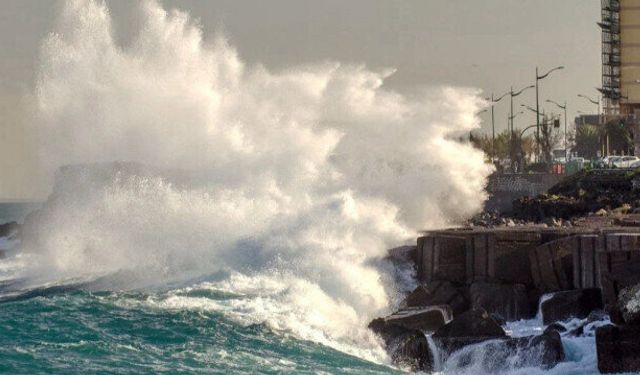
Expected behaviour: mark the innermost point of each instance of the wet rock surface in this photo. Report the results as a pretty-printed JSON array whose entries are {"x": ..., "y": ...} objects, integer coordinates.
[
  {"x": 424, "y": 319},
  {"x": 510, "y": 302},
  {"x": 618, "y": 349},
  {"x": 571, "y": 304},
  {"x": 407, "y": 347},
  {"x": 438, "y": 293},
  {"x": 9, "y": 229},
  {"x": 629, "y": 304},
  {"x": 473, "y": 326}
]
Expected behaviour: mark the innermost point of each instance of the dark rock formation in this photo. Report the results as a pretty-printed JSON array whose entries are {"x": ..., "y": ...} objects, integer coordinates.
[
  {"x": 618, "y": 349},
  {"x": 473, "y": 326},
  {"x": 425, "y": 319},
  {"x": 577, "y": 303},
  {"x": 544, "y": 351},
  {"x": 411, "y": 350},
  {"x": 9, "y": 229},
  {"x": 508, "y": 301},
  {"x": 407, "y": 347},
  {"x": 505, "y": 354},
  {"x": 555, "y": 327},
  {"x": 552, "y": 264},
  {"x": 438, "y": 293},
  {"x": 629, "y": 304}
]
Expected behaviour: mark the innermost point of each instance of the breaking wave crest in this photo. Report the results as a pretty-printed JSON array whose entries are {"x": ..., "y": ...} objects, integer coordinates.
[{"x": 285, "y": 187}]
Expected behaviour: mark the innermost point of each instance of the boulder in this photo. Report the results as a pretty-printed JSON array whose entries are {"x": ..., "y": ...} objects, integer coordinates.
[
  {"x": 9, "y": 229},
  {"x": 510, "y": 302},
  {"x": 473, "y": 326},
  {"x": 411, "y": 350},
  {"x": 425, "y": 319},
  {"x": 629, "y": 304},
  {"x": 406, "y": 347},
  {"x": 618, "y": 349},
  {"x": 551, "y": 264},
  {"x": 504, "y": 355},
  {"x": 619, "y": 270},
  {"x": 569, "y": 304},
  {"x": 438, "y": 293},
  {"x": 544, "y": 351},
  {"x": 555, "y": 327}
]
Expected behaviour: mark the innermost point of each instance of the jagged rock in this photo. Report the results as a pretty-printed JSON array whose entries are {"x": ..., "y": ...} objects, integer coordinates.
[
  {"x": 597, "y": 315},
  {"x": 557, "y": 327},
  {"x": 601, "y": 212},
  {"x": 629, "y": 304},
  {"x": 9, "y": 229},
  {"x": 473, "y": 326},
  {"x": 578, "y": 331},
  {"x": 618, "y": 349},
  {"x": 438, "y": 293},
  {"x": 577, "y": 303},
  {"x": 425, "y": 319},
  {"x": 498, "y": 319},
  {"x": 406, "y": 347},
  {"x": 544, "y": 351},
  {"x": 507, "y": 354},
  {"x": 625, "y": 208},
  {"x": 551, "y": 264},
  {"x": 402, "y": 254},
  {"x": 553, "y": 222},
  {"x": 508, "y": 301},
  {"x": 412, "y": 350}
]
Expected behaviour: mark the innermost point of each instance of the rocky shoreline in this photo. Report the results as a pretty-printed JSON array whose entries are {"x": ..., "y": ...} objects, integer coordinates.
[{"x": 568, "y": 254}]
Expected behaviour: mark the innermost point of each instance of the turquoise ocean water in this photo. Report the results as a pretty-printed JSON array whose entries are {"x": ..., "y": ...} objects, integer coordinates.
[{"x": 78, "y": 332}]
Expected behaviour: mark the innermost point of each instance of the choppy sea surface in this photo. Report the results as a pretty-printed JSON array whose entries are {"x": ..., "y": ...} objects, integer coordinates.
[
  {"x": 79, "y": 332},
  {"x": 77, "y": 327}
]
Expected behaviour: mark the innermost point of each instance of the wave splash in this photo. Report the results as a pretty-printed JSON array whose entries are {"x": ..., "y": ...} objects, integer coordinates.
[{"x": 284, "y": 187}]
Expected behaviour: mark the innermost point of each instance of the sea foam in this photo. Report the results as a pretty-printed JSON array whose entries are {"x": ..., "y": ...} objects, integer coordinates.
[{"x": 285, "y": 186}]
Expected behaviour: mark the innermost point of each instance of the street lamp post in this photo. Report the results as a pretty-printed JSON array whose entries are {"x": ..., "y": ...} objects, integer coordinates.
[
  {"x": 529, "y": 108},
  {"x": 596, "y": 102},
  {"x": 538, "y": 78},
  {"x": 514, "y": 94},
  {"x": 564, "y": 108},
  {"x": 512, "y": 116},
  {"x": 493, "y": 124},
  {"x": 605, "y": 149}
]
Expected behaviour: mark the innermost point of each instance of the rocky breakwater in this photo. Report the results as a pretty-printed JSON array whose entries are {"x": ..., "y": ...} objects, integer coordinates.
[
  {"x": 473, "y": 281},
  {"x": 618, "y": 344}
]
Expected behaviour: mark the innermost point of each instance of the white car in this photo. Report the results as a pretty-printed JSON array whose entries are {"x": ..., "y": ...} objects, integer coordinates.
[
  {"x": 611, "y": 160},
  {"x": 635, "y": 164},
  {"x": 625, "y": 161}
]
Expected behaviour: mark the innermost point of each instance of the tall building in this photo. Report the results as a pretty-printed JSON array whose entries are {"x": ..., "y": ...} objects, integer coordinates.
[
  {"x": 620, "y": 56},
  {"x": 620, "y": 89}
]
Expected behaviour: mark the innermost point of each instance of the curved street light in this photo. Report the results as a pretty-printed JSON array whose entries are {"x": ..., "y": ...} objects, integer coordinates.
[
  {"x": 493, "y": 123},
  {"x": 596, "y": 102},
  {"x": 514, "y": 94},
  {"x": 515, "y": 115},
  {"x": 538, "y": 78},
  {"x": 529, "y": 108}
]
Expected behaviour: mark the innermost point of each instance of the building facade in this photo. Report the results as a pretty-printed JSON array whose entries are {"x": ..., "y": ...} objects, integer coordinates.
[
  {"x": 620, "y": 24},
  {"x": 629, "y": 56}
]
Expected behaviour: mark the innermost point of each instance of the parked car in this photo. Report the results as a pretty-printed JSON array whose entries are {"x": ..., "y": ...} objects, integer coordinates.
[
  {"x": 625, "y": 161},
  {"x": 611, "y": 160},
  {"x": 635, "y": 164}
]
